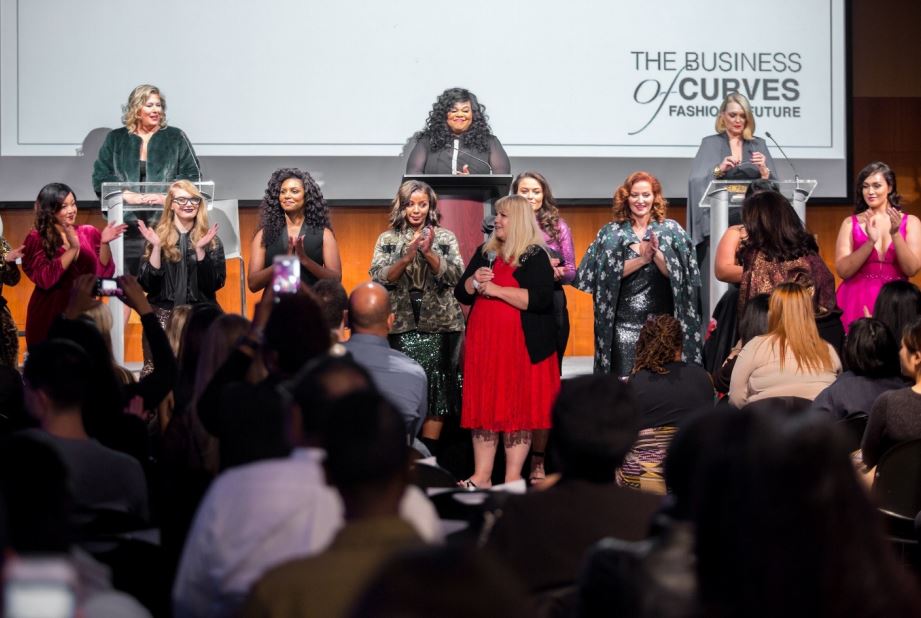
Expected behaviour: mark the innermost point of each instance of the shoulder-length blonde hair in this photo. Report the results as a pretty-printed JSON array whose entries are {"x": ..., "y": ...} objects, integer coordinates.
[
  {"x": 166, "y": 228},
  {"x": 791, "y": 323},
  {"x": 136, "y": 100},
  {"x": 622, "y": 208},
  {"x": 734, "y": 97},
  {"x": 521, "y": 230},
  {"x": 401, "y": 201}
]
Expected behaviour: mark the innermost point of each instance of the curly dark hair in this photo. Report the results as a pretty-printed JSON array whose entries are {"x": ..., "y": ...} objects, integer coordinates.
[
  {"x": 773, "y": 228},
  {"x": 895, "y": 199},
  {"x": 271, "y": 214},
  {"x": 660, "y": 339},
  {"x": 436, "y": 126},
  {"x": 549, "y": 215},
  {"x": 50, "y": 200}
]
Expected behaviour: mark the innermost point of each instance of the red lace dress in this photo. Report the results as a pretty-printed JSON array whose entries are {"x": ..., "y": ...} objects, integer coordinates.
[{"x": 503, "y": 390}]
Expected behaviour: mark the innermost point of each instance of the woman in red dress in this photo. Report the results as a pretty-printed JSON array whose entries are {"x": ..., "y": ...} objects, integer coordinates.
[
  {"x": 511, "y": 376},
  {"x": 56, "y": 252}
]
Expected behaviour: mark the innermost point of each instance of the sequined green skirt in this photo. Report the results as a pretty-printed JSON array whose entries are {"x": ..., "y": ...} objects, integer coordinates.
[{"x": 439, "y": 355}]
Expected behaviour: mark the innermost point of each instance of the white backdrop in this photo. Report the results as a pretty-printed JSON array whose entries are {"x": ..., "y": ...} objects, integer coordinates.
[{"x": 355, "y": 78}]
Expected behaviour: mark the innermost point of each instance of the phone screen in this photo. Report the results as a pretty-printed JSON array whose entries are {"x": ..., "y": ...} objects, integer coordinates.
[
  {"x": 286, "y": 274},
  {"x": 39, "y": 587},
  {"x": 107, "y": 287}
]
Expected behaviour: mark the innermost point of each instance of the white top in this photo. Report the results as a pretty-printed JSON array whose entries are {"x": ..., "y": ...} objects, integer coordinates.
[
  {"x": 757, "y": 374},
  {"x": 260, "y": 515}
]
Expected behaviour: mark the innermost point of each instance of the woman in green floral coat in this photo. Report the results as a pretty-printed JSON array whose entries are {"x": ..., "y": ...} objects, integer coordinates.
[
  {"x": 419, "y": 263},
  {"x": 640, "y": 264}
]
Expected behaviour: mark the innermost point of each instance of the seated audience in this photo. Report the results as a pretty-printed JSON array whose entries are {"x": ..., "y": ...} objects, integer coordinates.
[
  {"x": 334, "y": 303},
  {"x": 543, "y": 535},
  {"x": 896, "y": 414},
  {"x": 13, "y": 415},
  {"x": 57, "y": 380},
  {"x": 395, "y": 591},
  {"x": 785, "y": 529},
  {"x": 898, "y": 305},
  {"x": 666, "y": 390},
  {"x": 368, "y": 462},
  {"x": 791, "y": 360},
  {"x": 396, "y": 375},
  {"x": 871, "y": 368},
  {"x": 753, "y": 322},
  {"x": 249, "y": 419},
  {"x": 264, "y": 513}
]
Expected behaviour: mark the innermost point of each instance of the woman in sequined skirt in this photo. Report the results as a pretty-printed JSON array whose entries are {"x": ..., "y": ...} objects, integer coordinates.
[
  {"x": 640, "y": 264},
  {"x": 419, "y": 263}
]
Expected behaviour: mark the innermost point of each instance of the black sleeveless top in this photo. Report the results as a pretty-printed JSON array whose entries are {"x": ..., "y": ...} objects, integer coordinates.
[{"x": 313, "y": 248}]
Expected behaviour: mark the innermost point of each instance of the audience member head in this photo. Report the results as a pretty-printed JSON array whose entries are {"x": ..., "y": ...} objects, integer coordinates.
[
  {"x": 910, "y": 351},
  {"x": 774, "y": 229},
  {"x": 57, "y": 379},
  {"x": 139, "y": 97},
  {"x": 34, "y": 487},
  {"x": 367, "y": 457},
  {"x": 659, "y": 343},
  {"x": 305, "y": 197},
  {"x": 635, "y": 189},
  {"x": 457, "y": 112},
  {"x": 369, "y": 310},
  {"x": 514, "y": 230},
  {"x": 175, "y": 324},
  {"x": 536, "y": 189},
  {"x": 200, "y": 319},
  {"x": 685, "y": 455},
  {"x": 886, "y": 179},
  {"x": 219, "y": 339},
  {"x": 13, "y": 414},
  {"x": 395, "y": 591},
  {"x": 870, "y": 350},
  {"x": 295, "y": 333},
  {"x": 414, "y": 194},
  {"x": 334, "y": 303},
  {"x": 791, "y": 324},
  {"x": 754, "y": 320},
  {"x": 101, "y": 318},
  {"x": 781, "y": 519},
  {"x": 759, "y": 185},
  {"x": 56, "y": 205},
  {"x": 897, "y": 305},
  {"x": 595, "y": 422}
]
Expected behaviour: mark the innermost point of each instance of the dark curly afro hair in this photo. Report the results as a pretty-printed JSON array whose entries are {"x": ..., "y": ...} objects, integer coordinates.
[
  {"x": 271, "y": 214},
  {"x": 436, "y": 126}
]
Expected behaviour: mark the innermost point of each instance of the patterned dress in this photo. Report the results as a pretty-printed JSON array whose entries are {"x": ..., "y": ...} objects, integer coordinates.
[
  {"x": 9, "y": 334},
  {"x": 601, "y": 274}
]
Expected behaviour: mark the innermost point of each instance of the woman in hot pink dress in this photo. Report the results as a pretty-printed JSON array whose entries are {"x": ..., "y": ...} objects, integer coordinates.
[
  {"x": 511, "y": 376},
  {"x": 894, "y": 247}
]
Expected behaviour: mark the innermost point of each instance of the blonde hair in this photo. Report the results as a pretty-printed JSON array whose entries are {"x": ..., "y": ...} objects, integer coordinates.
[
  {"x": 136, "y": 101},
  {"x": 102, "y": 319},
  {"x": 175, "y": 324},
  {"x": 521, "y": 230},
  {"x": 791, "y": 322},
  {"x": 734, "y": 97},
  {"x": 166, "y": 228}
]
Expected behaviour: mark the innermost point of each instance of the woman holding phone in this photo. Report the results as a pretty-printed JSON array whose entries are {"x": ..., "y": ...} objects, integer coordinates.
[{"x": 294, "y": 220}]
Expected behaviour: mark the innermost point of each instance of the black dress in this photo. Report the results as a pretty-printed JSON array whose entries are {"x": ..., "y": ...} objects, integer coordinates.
[
  {"x": 313, "y": 248},
  {"x": 643, "y": 293},
  {"x": 424, "y": 160}
]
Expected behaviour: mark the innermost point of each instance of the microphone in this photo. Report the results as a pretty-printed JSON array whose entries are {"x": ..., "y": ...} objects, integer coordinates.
[
  {"x": 786, "y": 158},
  {"x": 490, "y": 257},
  {"x": 474, "y": 157}
]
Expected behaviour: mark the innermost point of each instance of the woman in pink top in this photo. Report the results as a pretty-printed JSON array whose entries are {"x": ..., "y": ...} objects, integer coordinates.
[
  {"x": 894, "y": 247},
  {"x": 56, "y": 252}
]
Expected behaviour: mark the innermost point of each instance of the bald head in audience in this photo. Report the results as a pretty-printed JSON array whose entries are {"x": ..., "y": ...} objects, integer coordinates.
[{"x": 369, "y": 310}]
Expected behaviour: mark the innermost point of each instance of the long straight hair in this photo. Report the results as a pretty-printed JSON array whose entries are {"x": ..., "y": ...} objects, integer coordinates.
[
  {"x": 521, "y": 230},
  {"x": 791, "y": 323}
]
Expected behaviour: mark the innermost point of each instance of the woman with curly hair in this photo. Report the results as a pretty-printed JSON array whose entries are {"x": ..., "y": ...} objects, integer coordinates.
[
  {"x": 877, "y": 244},
  {"x": 640, "y": 264},
  {"x": 457, "y": 139},
  {"x": 419, "y": 263},
  {"x": 511, "y": 376},
  {"x": 294, "y": 220},
  {"x": 667, "y": 391},
  {"x": 183, "y": 263},
  {"x": 56, "y": 252}
]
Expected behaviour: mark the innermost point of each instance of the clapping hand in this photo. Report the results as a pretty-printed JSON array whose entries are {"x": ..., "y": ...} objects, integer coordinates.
[
  {"x": 149, "y": 234},
  {"x": 113, "y": 231},
  {"x": 205, "y": 240},
  {"x": 428, "y": 237},
  {"x": 14, "y": 254},
  {"x": 895, "y": 220},
  {"x": 874, "y": 229}
]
